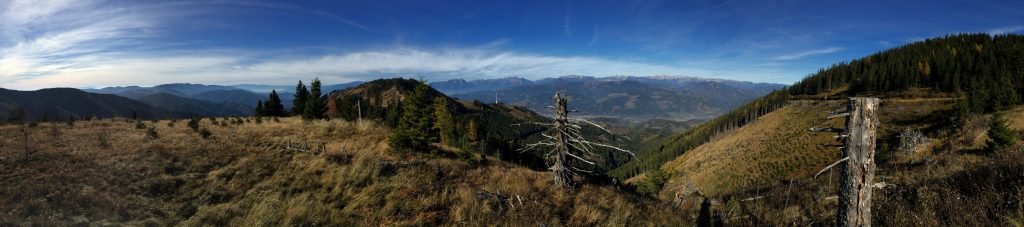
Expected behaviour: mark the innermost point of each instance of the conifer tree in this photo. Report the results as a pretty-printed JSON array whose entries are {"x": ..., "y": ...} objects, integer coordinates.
[
  {"x": 444, "y": 122},
  {"x": 999, "y": 133},
  {"x": 299, "y": 103},
  {"x": 273, "y": 106},
  {"x": 259, "y": 109},
  {"x": 412, "y": 133},
  {"x": 315, "y": 105},
  {"x": 472, "y": 135}
]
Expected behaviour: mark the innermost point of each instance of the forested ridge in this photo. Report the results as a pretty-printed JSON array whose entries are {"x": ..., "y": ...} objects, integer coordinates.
[
  {"x": 986, "y": 70},
  {"x": 985, "y": 73}
]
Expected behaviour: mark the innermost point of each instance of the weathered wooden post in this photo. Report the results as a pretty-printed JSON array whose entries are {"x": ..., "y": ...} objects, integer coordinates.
[{"x": 859, "y": 169}]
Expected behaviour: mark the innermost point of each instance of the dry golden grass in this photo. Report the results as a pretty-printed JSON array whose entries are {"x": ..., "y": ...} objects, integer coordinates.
[
  {"x": 775, "y": 147},
  {"x": 242, "y": 176},
  {"x": 762, "y": 173},
  {"x": 1015, "y": 118}
]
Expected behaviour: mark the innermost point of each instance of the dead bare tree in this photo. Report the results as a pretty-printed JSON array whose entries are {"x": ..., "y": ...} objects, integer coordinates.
[
  {"x": 568, "y": 146},
  {"x": 857, "y": 165}
]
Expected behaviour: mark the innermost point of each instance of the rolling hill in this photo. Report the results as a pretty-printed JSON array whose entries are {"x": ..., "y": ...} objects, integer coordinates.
[
  {"x": 195, "y": 107},
  {"x": 502, "y": 129},
  {"x": 59, "y": 103}
]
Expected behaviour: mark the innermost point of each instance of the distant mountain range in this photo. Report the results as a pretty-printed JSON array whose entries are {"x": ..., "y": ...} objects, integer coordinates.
[
  {"x": 636, "y": 98},
  {"x": 462, "y": 86},
  {"x": 192, "y": 99},
  {"x": 633, "y": 98},
  {"x": 209, "y": 100},
  {"x": 290, "y": 89}
]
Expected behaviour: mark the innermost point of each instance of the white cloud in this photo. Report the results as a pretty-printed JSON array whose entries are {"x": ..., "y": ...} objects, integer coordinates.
[
  {"x": 1006, "y": 30},
  {"x": 238, "y": 68},
  {"x": 89, "y": 44},
  {"x": 808, "y": 53}
]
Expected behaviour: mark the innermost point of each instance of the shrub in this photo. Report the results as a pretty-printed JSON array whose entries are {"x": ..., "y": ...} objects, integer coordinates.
[
  {"x": 33, "y": 124},
  {"x": 170, "y": 124},
  {"x": 652, "y": 183},
  {"x": 103, "y": 139},
  {"x": 205, "y": 133},
  {"x": 151, "y": 132},
  {"x": 140, "y": 125},
  {"x": 193, "y": 124}
]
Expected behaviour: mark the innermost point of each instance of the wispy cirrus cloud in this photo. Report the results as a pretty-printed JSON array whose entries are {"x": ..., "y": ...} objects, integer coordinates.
[
  {"x": 342, "y": 67},
  {"x": 804, "y": 54},
  {"x": 60, "y": 43},
  {"x": 41, "y": 37}
]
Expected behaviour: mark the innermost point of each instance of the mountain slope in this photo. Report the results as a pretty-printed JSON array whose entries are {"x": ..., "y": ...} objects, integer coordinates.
[
  {"x": 497, "y": 124},
  {"x": 238, "y": 97},
  {"x": 931, "y": 68},
  {"x": 56, "y": 103},
  {"x": 501, "y": 129},
  {"x": 245, "y": 175},
  {"x": 765, "y": 160},
  {"x": 195, "y": 107}
]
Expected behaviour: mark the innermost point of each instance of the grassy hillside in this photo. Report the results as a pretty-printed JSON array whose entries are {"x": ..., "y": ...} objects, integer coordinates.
[
  {"x": 655, "y": 152},
  {"x": 777, "y": 147},
  {"x": 763, "y": 172},
  {"x": 110, "y": 172},
  {"x": 774, "y": 148},
  {"x": 987, "y": 72}
]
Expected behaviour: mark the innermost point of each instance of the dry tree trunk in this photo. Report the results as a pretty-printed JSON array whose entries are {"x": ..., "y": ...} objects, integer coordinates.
[
  {"x": 569, "y": 147},
  {"x": 859, "y": 169},
  {"x": 563, "y": 177}
]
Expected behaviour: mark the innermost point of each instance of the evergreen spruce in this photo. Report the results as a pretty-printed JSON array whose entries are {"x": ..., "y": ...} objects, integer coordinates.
[
  {"x": 999, "y": 133},
  {"x": 315, "y": 105},
  {"x": 273, "y": 106},
  {"x": 413, "y": 132},
  {"x": 299, "y": 103}
]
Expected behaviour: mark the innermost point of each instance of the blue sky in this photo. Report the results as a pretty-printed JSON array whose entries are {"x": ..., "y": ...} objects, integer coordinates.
[{"x": 95, "y": 43}]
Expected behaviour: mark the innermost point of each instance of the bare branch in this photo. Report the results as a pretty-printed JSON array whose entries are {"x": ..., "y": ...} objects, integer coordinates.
[
  {"x": 816, "y": 129},
  {"x": 830, "y": 166},
  {"x": 838, "y": 115}
]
